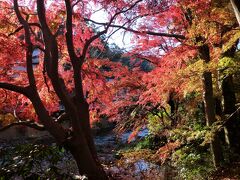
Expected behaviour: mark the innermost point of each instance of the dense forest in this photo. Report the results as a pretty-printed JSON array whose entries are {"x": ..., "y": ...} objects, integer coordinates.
[{"x": 157, "y": 78}]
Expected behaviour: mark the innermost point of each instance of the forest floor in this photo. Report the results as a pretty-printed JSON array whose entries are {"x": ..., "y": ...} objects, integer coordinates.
[
  {"x": 24, "y": 156},
  {"x": 229, "y": 172},
  {"x": 129, "y": 165}
]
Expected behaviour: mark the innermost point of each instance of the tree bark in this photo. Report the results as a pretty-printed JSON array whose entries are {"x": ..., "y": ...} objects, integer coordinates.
[
  {"x": 236, "y": 8},
  {"x": 209, "y": 106},
  {"x": 232, "y": 126},
  {"x": 87, "y": 163}
]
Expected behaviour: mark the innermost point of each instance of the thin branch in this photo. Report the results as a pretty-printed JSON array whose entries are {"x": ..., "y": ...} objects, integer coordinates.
[
  {"x": 152, "y": 33},
  {"x": 145, "y": 59},
  {"x": 131, "y": 7},
  {"x": 22, "y": 27},
  {"x": 28, "y": 123},
  {"x": 89, "y": 41},
  {"x": 228, "y": 118},
  {"x": 74, "y": 4},
  {"x": 168, "y": 115},
  {"x": 62, "y": 118},
  {"x": 39, "y": 47}
]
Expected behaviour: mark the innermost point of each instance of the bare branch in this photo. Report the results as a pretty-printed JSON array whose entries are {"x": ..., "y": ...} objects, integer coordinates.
[
  {"x": 178, "y": 36},
  {"x": 131, "y": 7},
  {"x": 39, "y": 47},
  {"x": 28, "y": 123},
  {"x": 74, "y": 4},
  {"x": 89, "y": 41}
]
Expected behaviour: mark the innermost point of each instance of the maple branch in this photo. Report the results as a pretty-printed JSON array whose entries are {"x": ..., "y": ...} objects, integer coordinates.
[
  {"x": 69, "y": 33},
  {"x": 22, "y": 27},
  {"x": 14, "y": 88},
  {"x": 52, "y": 56},
  {"x": 131, "y": 7},
  {"x": 178, "y": 36},
  {"x": 236, "y": 9},
  {"x": 89, "y": 41},
  {"x": 28, "y": 123},
  {"x": 42, "y": 17},
  {"x": 29, "y": 45},
  {"x": 74, "y": 4},
  {"x": 37, "y": 38},
  {"x": 51, "y": 59}
]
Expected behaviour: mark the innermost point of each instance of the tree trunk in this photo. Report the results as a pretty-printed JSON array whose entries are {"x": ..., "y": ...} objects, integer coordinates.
[
  {"x": 87, "y": 163},
  {"x": 79, "y": 143},
  {"x": 210, "y": 117},
  {"x": 209, "y": 105},
  {"x": 233, "y": 124},
  {"x": 85, "y": 123}
]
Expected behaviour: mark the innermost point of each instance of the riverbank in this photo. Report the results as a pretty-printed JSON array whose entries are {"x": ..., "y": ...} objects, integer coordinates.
[{"x": 40, "y": 157}]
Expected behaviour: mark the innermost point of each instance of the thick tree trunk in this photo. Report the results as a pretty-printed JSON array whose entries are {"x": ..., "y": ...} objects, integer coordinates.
[
  {"x": 80, "y": 143},
  {"x": 85, "y": 123},
  {"x": 210, "y": 117},
  {"x": 87, "y": 163},
  {"x": 209, "y": 105}
]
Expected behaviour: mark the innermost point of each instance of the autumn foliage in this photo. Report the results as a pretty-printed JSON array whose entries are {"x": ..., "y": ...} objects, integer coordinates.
[{"x": 53, "y": 55}]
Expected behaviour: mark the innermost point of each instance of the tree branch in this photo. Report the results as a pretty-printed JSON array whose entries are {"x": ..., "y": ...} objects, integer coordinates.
[
  {"x": 29, "y": 49},
  {"x": 226, "y": 119},
  {"x": 51, "y": 59},
  {"x": 152, "y": 33},
  {"x": 22, "y": 27},
  {"x": 69, "y": 33},
  {"x": 28, "y": 123},
  {"x": 89, "y": 41},
  {"x": 74, "y": 4},
  {"x": 14, "y": 88}
]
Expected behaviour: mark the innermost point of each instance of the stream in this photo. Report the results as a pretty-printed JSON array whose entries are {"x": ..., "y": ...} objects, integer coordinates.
[{"x": 117, "y": 166}]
